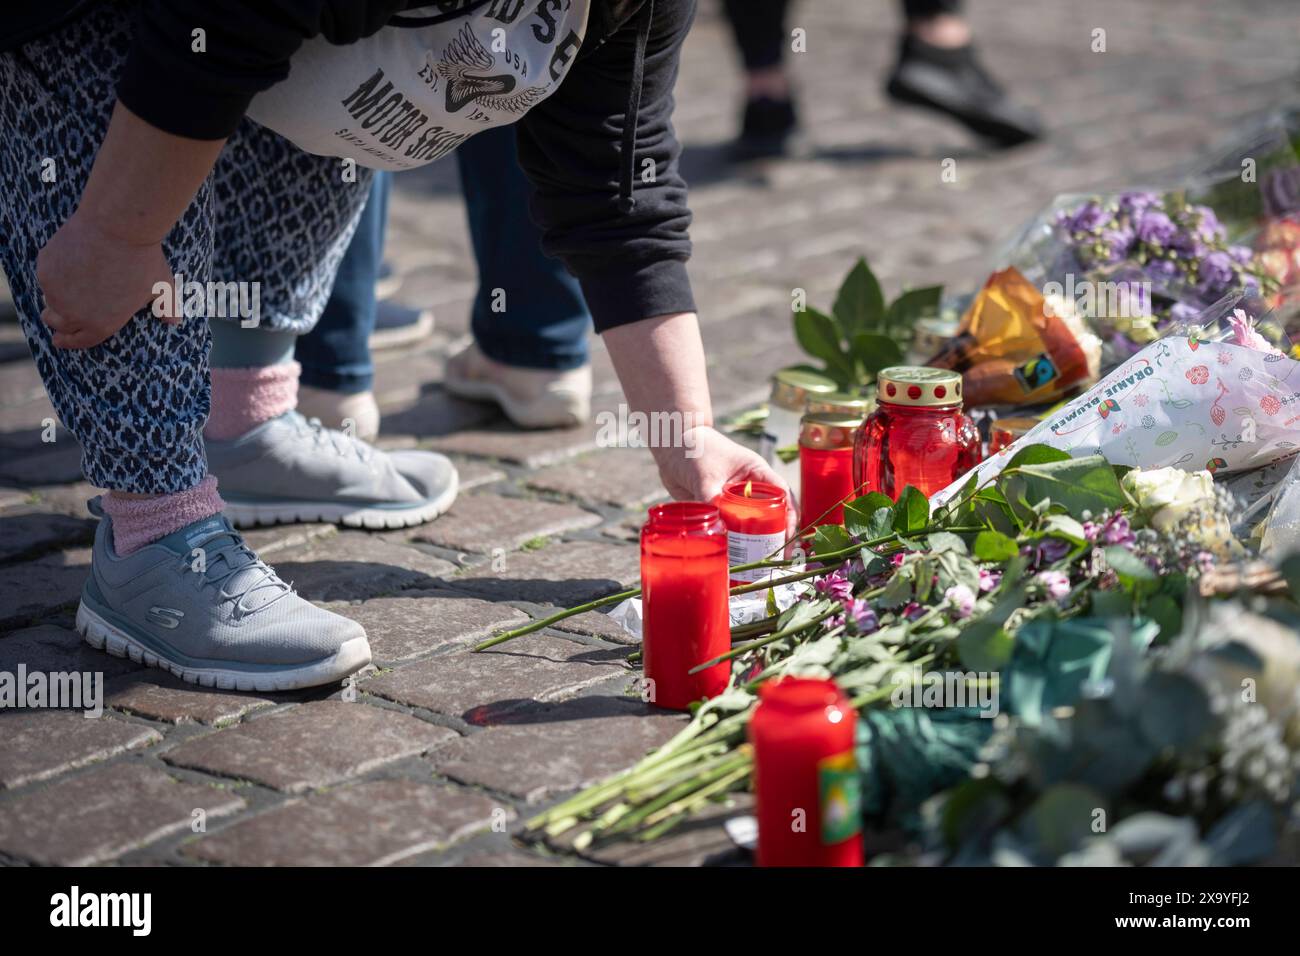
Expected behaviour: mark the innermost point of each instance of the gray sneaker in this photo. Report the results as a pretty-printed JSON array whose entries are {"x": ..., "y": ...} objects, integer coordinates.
[
  {"x": 294, "y": 469},
  {"x": 201, "y": 604}
]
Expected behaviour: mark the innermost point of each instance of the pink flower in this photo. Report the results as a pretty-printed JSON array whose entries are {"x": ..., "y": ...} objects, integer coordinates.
[
  {"x": 897, "y": 560},
  {"x": 961, "y": 599},
  {"x": 912, "y": 610},
  {"x": 1117, "y": 531},
  {"x": 1056, "y": 583},
  {"x": 1091, "y": 530},
  {"x": 989, "y": 580},
  {"x": 861, "y": 614},
  {"x": 836, "y": 585},
  {"x": 1245, "y": 333}
]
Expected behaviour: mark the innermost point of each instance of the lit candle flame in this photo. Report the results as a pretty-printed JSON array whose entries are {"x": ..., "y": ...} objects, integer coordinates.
[{"x": 749, "y": 489}]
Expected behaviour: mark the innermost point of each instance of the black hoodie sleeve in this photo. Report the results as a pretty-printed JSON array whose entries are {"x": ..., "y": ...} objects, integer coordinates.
[
  {"x": 631, "y": 265},
  {"x": 248, "y": 43}
]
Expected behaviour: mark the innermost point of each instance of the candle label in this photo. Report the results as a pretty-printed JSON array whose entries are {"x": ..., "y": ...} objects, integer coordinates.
[
  {"x": 748, "y": 548},
  {"x": 841, "y": 801}
]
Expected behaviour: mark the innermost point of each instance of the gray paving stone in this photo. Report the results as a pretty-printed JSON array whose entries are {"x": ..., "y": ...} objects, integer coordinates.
[
  {"x": 354, "y": 565},
  {"x": 623, "y": 477},
  {"x": 483, "y": 687},
  {"x": 29, "y": 532},
  {"x": 50, "y": 648},
  {"x": 105, "y": 813},
  {"x": 34, "y": 589},
  {"x": 310, "y": 745},
  {"x": 37, "y": 744},
  {"x": 369, "y": 824},
  {"x": 401, "y": 628},
  {"x": 159, "y": 696},
  {"x": 567, "y": 573},
  {"x": 268, "y": 542},
  {"x": 484, "y": 523},
  {"x": 548, "y": 751},
  {"x": 697, "y": 841},
  {"x": 504, "y": 443}
]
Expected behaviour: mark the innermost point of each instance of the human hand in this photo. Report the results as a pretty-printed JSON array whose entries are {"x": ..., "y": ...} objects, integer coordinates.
[
  {"x": 708, "y": 460},
  {"x": 94, "y": 282}
]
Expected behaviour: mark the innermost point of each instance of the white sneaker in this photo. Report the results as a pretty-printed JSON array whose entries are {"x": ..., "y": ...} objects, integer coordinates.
[
  {"x": 337, "y": 409},
  {"x": 530, "y": 397}
]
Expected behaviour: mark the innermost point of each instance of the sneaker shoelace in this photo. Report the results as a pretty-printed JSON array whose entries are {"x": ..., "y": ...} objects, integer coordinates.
[
  {"x": 238, "y": 573},
  {"x": 342, "y": 443}
]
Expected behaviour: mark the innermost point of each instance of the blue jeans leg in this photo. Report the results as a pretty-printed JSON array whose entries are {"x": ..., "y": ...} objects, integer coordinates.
[
  {"x": 529, "y": 311},
  {"x": 335, "y": 355}
]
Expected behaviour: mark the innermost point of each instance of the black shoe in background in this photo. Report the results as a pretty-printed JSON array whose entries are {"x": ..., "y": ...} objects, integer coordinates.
[
  {"x": 953, "y": 81},
  {"x": 767, "y": 129}
]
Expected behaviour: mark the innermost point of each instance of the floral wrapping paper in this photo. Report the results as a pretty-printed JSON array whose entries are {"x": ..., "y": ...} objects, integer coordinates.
[{"x": 1178, "y": 402}]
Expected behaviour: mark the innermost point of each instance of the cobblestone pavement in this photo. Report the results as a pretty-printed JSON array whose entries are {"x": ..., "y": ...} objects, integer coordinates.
[{"x": 443, "y": 753}]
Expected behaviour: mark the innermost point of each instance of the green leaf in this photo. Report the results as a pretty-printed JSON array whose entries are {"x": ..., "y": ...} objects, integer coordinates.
[
  {"x": 912, "y": 305},
  {"x": 830, "y": 538},
  {"x": 983, "y": 645},
  {"x": 859, "y": 512},
  {"x": 860, "y": 305},
  {"x": 1063, "y": 526},
  {"x": 995, "y": 546},
  {"x": 1167, "y": 613},
  {"x": 1129, "y": 567},
  {"x": 1037, "y": 455},
  {"x": 911, "y": 512},
  {"x": 874, "y": 351},
  {"x": 818, "y": 336},
  {"x": 1076, "y": 484},
  {"x": 942, "y": 542}
]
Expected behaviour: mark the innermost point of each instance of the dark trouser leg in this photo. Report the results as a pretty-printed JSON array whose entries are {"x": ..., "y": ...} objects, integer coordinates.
[
  {"x": 759, "y": 26},
  {"x": 529, "y": 312}
]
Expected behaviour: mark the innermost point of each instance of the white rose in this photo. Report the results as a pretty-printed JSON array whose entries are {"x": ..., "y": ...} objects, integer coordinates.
[{"x": 1167, "y": 495}]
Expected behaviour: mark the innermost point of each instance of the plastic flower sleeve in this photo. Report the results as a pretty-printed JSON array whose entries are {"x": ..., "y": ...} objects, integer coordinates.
[{"x": 1217, "y": 395}]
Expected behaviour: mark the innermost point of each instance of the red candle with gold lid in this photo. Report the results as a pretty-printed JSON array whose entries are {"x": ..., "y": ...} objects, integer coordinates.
[
  {"x": 805, "y": 775},
  {"x": 684, "y": 610},
  {"x": 826, "y": 467},
  {"x": 917, "y": 435}
]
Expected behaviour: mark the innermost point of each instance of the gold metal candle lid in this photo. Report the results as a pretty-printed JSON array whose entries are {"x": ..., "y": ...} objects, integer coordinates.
[
  {"x": 828, "y": 431},
  {"x": 842, "y": 403},
  {"x": 793, "y": 387},
  {"x": 919, "y": 385}
]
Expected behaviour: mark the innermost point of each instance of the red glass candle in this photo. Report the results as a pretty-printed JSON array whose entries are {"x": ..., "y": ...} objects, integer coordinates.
[
  {"x": 805, "y": 775},
  {"x": 754, "y": 513},
  {"x": 826, "y": 467},
  {"x": 685, "y": 619},
  {"x": 1007, "y": 431},
  {"x": 917, "y": 435}
]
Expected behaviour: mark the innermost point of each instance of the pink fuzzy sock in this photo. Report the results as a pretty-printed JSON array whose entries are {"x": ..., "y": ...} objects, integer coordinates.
[
  {"x": 141, "y": 521},
  {"x": 243, "y": 398}
]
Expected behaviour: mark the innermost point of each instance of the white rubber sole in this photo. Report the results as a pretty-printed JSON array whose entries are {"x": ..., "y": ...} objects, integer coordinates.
[
  {"x": 348, "y": 659},
  {"x": 255, "y": 514}
]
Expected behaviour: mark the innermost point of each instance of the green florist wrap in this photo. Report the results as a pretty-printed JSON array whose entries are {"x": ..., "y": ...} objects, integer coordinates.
[{"x": 1220, "y": 399}]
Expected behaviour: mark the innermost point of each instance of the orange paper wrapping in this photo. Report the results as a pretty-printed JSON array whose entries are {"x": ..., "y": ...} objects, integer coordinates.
[{"x": 1011, "y": 352}]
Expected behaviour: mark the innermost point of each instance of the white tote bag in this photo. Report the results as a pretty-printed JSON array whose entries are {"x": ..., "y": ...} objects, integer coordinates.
[{"x": 408, "y": 95}]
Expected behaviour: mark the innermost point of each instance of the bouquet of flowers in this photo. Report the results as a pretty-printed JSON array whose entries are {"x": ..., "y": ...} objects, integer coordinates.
[{"x": 1056, "y": 600}]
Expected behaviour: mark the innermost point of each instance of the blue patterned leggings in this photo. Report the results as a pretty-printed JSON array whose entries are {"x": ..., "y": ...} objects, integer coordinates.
[{"x": 269, "y": 213}]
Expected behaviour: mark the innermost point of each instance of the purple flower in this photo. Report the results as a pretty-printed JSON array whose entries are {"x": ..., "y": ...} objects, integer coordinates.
[
  {"x": 1161, "y": 270},
  {"x": 1216, "y": 272},
  {"x": 989, "y": 580},
  {"x": 1207, "y": 227},
  {"x": 912, "y": 611},
  {"x": 1242, "y": 255},
  {"x": 1089, "y": 217},
  {"x": 1116, "y": 244},
  {"x": 1117, "y": 531},
  {"x": 1047, "y": 551},
  {"x": 1155, "y": 228},
  {"x": 1182, "y": 312},
  {"x": 1091, "y": 531},
  {"x": 859, "y": 611},
  {"x": 1056, "y": 583},
  {"x": 1135, "y": 203},
  {"x": 836, "y": 585},
  {"x": 961, "y": 599}
]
